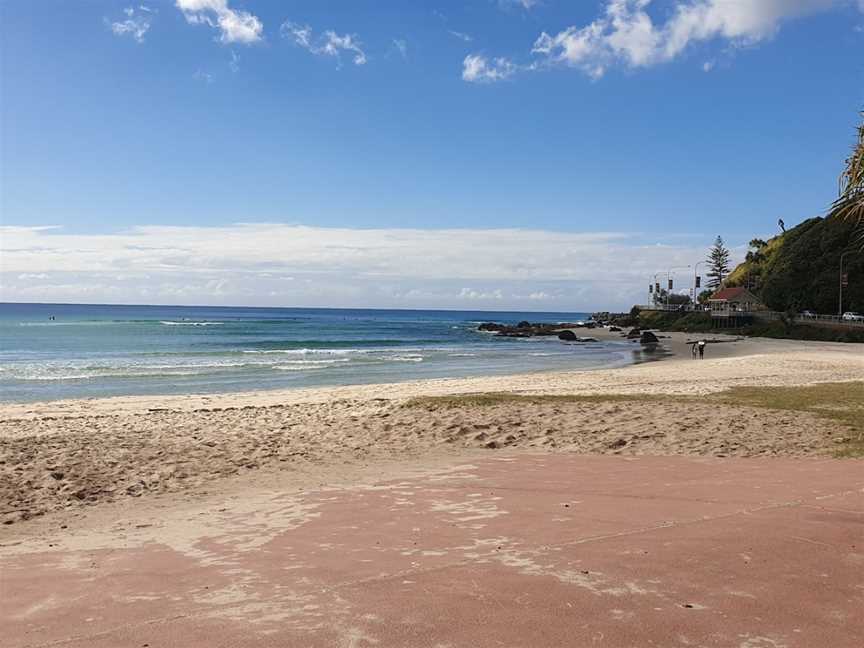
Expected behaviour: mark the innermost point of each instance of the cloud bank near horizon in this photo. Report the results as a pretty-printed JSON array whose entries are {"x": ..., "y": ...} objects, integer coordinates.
[{"x": 270, "y": 264}]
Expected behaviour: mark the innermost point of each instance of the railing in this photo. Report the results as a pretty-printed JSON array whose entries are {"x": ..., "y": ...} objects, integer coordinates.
[
  {"x": 816, "y": 320},
  {"x": 668, "y": 308},
  {"x": 809, "y": 319}
]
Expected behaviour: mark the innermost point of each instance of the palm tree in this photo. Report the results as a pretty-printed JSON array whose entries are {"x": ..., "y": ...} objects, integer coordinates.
[{"x": 850, "y": 204}]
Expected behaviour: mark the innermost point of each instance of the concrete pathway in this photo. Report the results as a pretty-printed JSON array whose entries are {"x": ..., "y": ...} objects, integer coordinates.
[{"x": 509, "y": 550}]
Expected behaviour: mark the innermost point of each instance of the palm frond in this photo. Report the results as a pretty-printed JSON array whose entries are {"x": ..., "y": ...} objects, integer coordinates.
[{"x": 850, "y": 204}]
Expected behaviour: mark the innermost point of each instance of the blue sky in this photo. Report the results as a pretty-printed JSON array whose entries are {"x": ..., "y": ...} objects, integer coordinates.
[{"x": 637, "y": 130}]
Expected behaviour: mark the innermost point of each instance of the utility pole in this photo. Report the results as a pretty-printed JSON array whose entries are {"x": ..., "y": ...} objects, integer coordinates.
[
  {"x": 695, "y": 281},
  {"x": 656, "y": 288}
]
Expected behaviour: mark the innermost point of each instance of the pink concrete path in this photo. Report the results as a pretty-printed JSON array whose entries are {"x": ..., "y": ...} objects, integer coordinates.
[{"x": 509, "y": 550}]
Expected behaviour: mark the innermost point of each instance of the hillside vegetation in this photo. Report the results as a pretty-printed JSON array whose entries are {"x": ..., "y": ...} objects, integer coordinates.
[{"x": 800, "y": 270}]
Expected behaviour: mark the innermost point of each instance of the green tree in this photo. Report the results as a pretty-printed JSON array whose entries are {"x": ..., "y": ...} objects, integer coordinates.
[
  {"x": 671, "y": 298},
  {"x": 718, "y": 263},
  {"x": 754, "y": 254}
]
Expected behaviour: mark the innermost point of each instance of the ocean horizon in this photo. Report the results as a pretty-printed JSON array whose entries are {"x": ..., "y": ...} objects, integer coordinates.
[{"x": 59, "y": 351}]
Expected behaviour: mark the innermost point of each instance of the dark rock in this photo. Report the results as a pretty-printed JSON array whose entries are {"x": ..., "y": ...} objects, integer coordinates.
[
  {"x": 618, "y": 443},
  {"x": 56, "y": 474},
  {"x": 568, "y": 336},
  {"x": 491, "y": 326},
  {"x": 614, "y": 329},
  {"x": 648, "y": 338},
  {"x": 634, "y": 333},
  {"x": 523, "y": 324},
  {"x": 515, "y": 334}
]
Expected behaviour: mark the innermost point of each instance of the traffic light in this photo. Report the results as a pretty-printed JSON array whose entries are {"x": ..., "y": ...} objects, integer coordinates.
[
  {"x": 657, "y": 287},
  {"x": 698, "y": 281},
  {"x": 670, "y": 285},
  {"x": 650, "y": 289}
]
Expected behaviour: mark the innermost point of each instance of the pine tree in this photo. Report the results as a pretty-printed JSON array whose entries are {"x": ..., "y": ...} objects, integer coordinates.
[{"x": 718, "y": 264}]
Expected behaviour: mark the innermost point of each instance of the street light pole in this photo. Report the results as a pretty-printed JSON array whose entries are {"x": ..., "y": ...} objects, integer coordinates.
[{"x": 840, "y": 305}]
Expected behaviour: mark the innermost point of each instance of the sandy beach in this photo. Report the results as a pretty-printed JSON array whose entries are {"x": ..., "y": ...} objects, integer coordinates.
[{"x": 66, "y": 456}]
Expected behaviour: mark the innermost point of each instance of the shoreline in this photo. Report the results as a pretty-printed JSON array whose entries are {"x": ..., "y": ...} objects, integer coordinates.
[
  {"x": 63, "y": 459},
  {"x": 672, "y": 371}
]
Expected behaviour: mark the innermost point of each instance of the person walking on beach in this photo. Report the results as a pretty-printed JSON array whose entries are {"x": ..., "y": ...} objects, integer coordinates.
[
  {"x": 693, "y": 350},
  {"x": 701, "y": 349}
]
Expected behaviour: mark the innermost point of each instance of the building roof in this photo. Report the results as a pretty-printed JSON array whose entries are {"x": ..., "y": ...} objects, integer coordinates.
[{"x": 732, "y": 294}]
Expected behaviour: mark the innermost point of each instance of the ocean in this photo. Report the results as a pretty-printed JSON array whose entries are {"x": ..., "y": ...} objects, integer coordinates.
[{"x": 57, "y": 351}]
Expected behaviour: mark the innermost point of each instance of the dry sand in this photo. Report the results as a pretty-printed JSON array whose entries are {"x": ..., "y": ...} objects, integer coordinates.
[{"x": 62, "y": 456}]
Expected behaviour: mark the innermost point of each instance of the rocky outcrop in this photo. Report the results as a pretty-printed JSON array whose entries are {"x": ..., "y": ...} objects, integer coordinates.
[{"x": 528, "y": 329}]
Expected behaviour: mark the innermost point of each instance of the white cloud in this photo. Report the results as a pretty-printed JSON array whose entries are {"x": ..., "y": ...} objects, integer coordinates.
[
  {"x": 460, "y": 35},
  {"x": 234, "y": 26},
  {"x": 476, "y": 68},
  {"x": 329, "y": 44},
  {"x": 626, "y": 34},
  {"x": 401, "y": 46},
  {"x": 480, "y": 295},
  {"x": 135, "y": 25},
  {"x": 273, "y": 264},
  {"x": 527, "y": 5}
]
